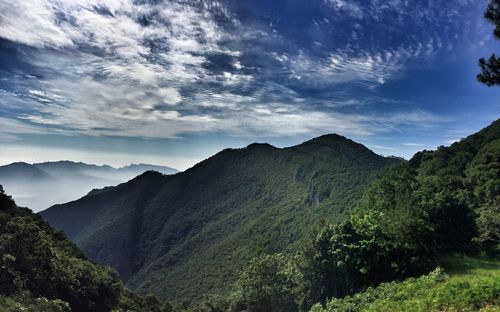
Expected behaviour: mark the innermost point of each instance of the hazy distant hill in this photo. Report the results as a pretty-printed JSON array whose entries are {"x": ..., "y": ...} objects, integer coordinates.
[
  {"x": 186, "y": 235},
  {"x": 42, "y": 185}
]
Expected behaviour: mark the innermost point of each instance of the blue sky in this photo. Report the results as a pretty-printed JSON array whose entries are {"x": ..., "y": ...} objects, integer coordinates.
[{"x": 172, "y": 82}]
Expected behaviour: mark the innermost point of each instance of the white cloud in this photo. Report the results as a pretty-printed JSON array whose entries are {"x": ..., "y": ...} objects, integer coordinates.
[
  {"x": 169, "y": 95},
  {"x": 123, "y": 77},
  {"x": 449, "y": 142},
  {"x": 33, "y": 23},
  {"x": 11, "y": 128},
  {"x": 348, "y": 6},
  {"x": 342, "y": 67}
]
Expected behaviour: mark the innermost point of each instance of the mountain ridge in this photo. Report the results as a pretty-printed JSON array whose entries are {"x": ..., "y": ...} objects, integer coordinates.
[
  {"x": 168, "y": 230},
  {"x": 32, "y": 185}
]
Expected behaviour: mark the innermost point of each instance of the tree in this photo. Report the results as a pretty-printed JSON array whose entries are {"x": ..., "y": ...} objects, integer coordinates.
[
  {"x": 6, "y": 202},
  {"x": 490, "y": 68},
  {"x": 365, "y": 250},
  {"x": 266, "y": 285}
]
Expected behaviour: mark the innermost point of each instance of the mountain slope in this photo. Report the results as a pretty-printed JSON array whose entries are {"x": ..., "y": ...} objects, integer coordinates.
[
  {"x": 186, "y": 235},
  {"x": 456, "y": 189},
  {"x": 415, "y": 216},
  {"x": 22, "y": 172},
  {"x": 41, "y": 270},
  {"x": 439, "y": 203},
  {"x": 33, "y": 185}
]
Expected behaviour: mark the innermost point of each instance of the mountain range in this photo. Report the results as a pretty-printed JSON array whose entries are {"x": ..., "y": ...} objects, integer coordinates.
[
  {"x": 187, "y": 235},
  {"x": 33, "y": 185},
  {"x": 320, "y": 227}
]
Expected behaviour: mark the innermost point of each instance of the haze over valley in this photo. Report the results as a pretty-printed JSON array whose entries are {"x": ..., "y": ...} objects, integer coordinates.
[{"x": 34, "y": 185}]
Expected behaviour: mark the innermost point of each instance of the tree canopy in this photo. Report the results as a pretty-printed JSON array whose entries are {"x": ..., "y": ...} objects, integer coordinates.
[{"x": 490, "y": 68}]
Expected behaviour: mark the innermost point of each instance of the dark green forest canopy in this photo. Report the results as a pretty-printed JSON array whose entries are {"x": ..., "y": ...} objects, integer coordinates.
[
  {"x": 41, "y": 270},
  {"x": 455, "y": 190},
  {"x": 413, "y": 215},
  {"x": 187, "y": 235},
  {"x": 411, "y": 218},
  {"x": 490, "y": 68},
  {"x": 440, "y": 202}
]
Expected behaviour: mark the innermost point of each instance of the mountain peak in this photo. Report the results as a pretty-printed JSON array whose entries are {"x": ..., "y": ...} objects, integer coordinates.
[
  {"x": 333, "y": 140},
  {"x": 19, "y": 164},
  {"x": 260, "y": 146},
  {"x": 329, "y": 138}
]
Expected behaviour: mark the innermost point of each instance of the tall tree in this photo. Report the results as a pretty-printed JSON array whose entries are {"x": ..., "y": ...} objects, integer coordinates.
[{"x": 490, "y": 68}]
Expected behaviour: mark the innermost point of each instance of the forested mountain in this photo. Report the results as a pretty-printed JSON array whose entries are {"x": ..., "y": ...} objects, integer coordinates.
[
  {"x": 33, "y": 185},
  {"x": 439, "y": 203},
  {"x": 41, "y": 270},
  {"x": 415, "y": 217},
  {"x": 187, "y": 235}
]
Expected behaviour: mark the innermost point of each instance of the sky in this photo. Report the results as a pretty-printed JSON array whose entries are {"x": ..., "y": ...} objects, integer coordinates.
[{"x": 173, "y": 82}]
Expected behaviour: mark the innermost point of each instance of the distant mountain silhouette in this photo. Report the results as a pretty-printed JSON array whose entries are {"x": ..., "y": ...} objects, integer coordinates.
[
  {"x": 187, "y": 235},
  {"x": 42, "y": 185}
]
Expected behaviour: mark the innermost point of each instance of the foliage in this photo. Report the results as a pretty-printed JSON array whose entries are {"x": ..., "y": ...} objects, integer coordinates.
[
  {"x": 360, "y": 252},
  {"x": 455, "y": 191},
  {"x": 186, "y": 236},
  {"x": 266, "y": 285},
  {"x": 40, "y": 270},
  {"x": 473, "y": 285},
  {"x": 490, "y": 68},
  {"x": 27, "y": 303},
  {"x": 440, "y": 202}
]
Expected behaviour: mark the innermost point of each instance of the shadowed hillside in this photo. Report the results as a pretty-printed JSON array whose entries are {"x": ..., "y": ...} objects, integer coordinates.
[
  {"x": 41, "y": 270},
  {"x": 186, "y": 235}
]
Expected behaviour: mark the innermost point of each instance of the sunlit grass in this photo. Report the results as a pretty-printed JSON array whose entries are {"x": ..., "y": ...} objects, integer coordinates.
[{"x": 465, "y": 284}]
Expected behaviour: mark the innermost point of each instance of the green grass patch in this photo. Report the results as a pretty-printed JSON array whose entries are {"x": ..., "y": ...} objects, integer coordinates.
[{"x": 465, "y": 284}]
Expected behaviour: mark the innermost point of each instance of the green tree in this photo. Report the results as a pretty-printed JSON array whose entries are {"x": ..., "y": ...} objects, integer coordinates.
[
  {"x": 490, "y": 68},
  {"x": 366, "y": 250},
  {"x": 267, "y": 284},
  {"x": 37, "y": 261}
]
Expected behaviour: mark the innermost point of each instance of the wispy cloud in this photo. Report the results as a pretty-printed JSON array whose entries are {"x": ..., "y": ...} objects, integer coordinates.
[
  {"x": 164, "y": 69},
  {"x": 413, "y": 144}
]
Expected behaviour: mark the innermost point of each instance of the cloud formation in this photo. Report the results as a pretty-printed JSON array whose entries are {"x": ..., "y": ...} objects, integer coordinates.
[{"x": 162, "y": 69}]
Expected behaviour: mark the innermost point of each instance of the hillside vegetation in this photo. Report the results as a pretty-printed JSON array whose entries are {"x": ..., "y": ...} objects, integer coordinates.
[
  {"x": 440, "y": 202},
  {"x": 468, "y": 284},
  {"x": 412, "y": 217},
  {"x": 41, "y": 270},
  {"x": 188, "y": 235}
]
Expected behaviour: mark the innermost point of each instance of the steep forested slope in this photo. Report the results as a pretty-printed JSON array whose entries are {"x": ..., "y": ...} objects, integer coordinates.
[
  {"x": 41, "y": 270},
  {"x": 186, "y": 235},
  {"x": 439, "y": 203},
  {"x": 415, "y": 216}
]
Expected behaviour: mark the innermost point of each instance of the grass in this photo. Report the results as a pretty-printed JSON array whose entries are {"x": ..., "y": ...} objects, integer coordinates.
[{"x": 465, "y": 284}]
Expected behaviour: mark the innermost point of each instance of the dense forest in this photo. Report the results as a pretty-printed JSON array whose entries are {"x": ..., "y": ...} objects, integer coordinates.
[
  {"x": 412, "y": 219},
  {"x": 187, "y": 235},
  {"x": 41, "y": 270},
  {"x": 438, "y": 210}
]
